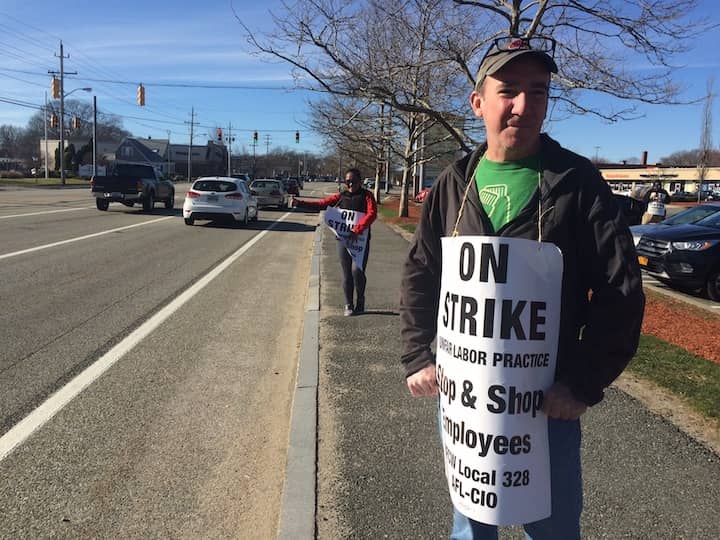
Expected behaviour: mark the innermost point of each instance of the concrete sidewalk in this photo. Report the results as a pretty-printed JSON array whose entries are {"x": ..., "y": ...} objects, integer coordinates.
[{"x": 379, "y": 465}]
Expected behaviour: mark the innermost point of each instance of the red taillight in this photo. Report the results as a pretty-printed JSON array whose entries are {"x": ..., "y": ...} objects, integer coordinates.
[
  {"x": 235, "y": 195},
  {"x": 192, "y": 194},
  {"x": 275, "y": 193}
]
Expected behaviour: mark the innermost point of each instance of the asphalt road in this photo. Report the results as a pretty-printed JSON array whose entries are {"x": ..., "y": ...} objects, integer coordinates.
[{"x": 185, "y": 435}]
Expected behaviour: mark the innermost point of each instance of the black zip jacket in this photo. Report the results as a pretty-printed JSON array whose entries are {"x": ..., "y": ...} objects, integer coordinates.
[{"x": 602, "y": 299}]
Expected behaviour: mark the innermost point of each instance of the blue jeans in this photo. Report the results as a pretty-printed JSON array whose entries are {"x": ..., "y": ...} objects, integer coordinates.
[
  {"x": 566, "y": 487},
  {"x": 354, "y": 279}
]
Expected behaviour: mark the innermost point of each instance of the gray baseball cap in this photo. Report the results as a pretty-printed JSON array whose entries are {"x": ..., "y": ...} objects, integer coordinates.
[{"x": 492, "y": 63}]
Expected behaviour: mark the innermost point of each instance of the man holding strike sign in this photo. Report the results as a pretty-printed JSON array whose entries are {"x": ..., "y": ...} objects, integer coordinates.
[{"x": 523, "y": 268}]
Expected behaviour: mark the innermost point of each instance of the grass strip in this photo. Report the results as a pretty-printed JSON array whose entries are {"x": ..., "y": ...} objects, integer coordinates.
[
  {"x": 387, "y": 212},
  {"x": 43, "y": 181},
  {"x": 691, "y": 377}
]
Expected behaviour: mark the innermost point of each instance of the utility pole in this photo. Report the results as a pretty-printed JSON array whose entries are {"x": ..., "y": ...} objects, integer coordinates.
[
  {"x": 192, "y": 126},
  {"x": 254, "y": 168},
  {"x": 229, "y": 148},
  {"x": 267, "y": 152},
  {"x": 168, "y": 152},
  {"x": 62, "y": 110},
  {"x": 94, "y": 135},
  {"x": 46, "y": 141}
]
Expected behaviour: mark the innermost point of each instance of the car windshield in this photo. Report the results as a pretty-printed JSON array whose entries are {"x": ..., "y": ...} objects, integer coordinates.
[
  {"x": 214, "y": 185},
  {"x": 713, "y": 220},
  {"x": 691, "y": 215}
]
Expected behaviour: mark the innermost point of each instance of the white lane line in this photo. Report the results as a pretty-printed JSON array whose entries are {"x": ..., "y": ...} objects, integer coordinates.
[
  {"x": 47, "y": 212},
  {"x": 20, "y": 432},
  {"x": 77, "y": 239}
]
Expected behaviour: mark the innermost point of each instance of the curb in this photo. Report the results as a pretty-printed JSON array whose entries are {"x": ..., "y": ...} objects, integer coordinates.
[{"x": 297, "y": 511}]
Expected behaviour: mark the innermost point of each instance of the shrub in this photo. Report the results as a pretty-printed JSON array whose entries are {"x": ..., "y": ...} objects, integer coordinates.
[{"x": 11, "y": 174}]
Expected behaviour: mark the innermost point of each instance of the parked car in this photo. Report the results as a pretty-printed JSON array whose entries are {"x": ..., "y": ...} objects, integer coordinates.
[
  {"x": 130, "y": 183},
  {"x": 422, "y": 194},
  {"x": 684, "y": 196},
  {"x": 685, "y": 256},
  {"x": 220, "y": 198},
  {"x": 269, "y": 192},
  {"x": 690, "y": 215}
]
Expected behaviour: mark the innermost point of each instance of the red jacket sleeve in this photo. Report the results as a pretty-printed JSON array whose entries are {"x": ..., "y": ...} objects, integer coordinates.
[
  {"x": 370, "y": 215},
  {"x": 322, "y": 204}
]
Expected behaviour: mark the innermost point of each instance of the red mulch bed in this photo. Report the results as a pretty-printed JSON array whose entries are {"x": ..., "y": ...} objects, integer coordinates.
[
  {"x": 681, "y": 324},
  {"x": 394, "y": 204},
  {"x": 676, "y": 322}
]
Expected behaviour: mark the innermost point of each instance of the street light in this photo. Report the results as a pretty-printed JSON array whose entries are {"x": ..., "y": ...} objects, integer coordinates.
[{"x": 63, "y": 95}]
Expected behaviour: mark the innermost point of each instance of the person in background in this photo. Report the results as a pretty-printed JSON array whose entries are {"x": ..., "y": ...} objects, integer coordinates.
[
  {"x": 523, "y": 184},
  {"x": 655, "y": 200},
  {"x": 357, "y": 198}
]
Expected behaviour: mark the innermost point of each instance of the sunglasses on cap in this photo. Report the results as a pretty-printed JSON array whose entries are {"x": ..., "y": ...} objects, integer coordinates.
[{"x": 543, "y": 44}]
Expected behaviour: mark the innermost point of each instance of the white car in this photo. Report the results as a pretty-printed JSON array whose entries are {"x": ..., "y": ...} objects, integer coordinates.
[{"x": 219, "y": 197}]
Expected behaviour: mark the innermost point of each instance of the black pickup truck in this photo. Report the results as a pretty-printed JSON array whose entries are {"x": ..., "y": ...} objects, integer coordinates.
[{"x": 130, "y": 183}]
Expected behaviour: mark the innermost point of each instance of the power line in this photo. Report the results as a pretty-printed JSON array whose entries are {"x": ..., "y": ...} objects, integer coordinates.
[
  {"x": 203, "y": 86},
  {"x": 21, "y": 103}
]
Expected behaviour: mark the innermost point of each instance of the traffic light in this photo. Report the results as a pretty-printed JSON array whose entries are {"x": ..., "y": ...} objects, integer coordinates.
[
  {"x": 255, "y": 137},
  {"x": 141, "y": 95},
  {"x": 219, "y": 134},
  {"x": 55, "y": 87},
  {"x": 53, "y": 120},
  {"x": 76, "y": 122},
  {"x": 297, "y": 137}
]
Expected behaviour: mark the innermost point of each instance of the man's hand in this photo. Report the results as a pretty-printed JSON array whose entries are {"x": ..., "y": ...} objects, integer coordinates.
[
  {"x": 423, "y": 383},
  {"x": 559, "y": 403}
]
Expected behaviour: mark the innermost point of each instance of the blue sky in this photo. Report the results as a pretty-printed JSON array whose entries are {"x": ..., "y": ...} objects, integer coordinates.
[{"x": 198, "y": 43}]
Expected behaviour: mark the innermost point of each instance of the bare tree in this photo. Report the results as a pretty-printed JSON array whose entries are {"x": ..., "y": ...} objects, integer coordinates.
[
  {"x": 706, "y": 136},
  {"x": 350, "y": 126},
  {"x": 10, "y": 141},
  {"x": 419, "y": 57},
  {"x": 375, "y": 52},
  {"x": 621, "y": 49}
]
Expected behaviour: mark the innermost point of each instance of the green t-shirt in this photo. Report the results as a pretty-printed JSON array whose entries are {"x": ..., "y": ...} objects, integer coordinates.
[{"x": 506, "y": 187}]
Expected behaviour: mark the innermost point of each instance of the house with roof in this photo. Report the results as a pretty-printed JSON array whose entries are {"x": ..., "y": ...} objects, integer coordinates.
[
  {"x": 170, "y": 159},
  {"x": 105, "y": 151}
]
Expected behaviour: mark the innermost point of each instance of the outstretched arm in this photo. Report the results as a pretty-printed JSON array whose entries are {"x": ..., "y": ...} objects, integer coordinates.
[{"x": 321, "y": 204}]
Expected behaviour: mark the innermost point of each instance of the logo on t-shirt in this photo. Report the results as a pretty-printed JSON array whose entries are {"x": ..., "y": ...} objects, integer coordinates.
[{"x": 496, "y": 202}]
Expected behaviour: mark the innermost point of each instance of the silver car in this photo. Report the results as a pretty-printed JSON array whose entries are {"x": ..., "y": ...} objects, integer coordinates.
[
  {"x": 269, "y": 192},
  {"x": 219, "y": 197}
]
